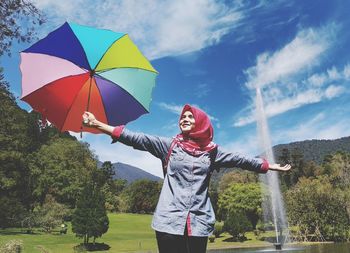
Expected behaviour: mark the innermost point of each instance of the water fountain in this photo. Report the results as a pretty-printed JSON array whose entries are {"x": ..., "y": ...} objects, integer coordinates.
[{"x": 270, "y": 179}]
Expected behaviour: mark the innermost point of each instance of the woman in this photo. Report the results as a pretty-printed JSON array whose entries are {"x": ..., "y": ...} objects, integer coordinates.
[{"x": 184, "y": 217}]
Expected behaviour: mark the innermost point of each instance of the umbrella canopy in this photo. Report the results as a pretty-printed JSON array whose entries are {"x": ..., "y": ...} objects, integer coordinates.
[{"x": 77, "y": 68}]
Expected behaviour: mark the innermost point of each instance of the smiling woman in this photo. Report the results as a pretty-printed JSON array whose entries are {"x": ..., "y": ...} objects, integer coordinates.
[
  {"x": 187, "y": 122},
  {"x": 184, "y": 217}
]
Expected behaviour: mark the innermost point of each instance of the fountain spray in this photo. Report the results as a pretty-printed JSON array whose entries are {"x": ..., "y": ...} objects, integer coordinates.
[{"x": 275, "y": 205}]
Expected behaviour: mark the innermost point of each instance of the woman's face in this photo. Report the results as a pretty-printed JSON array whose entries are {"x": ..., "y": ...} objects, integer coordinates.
[{"x": 187, "y": 122}]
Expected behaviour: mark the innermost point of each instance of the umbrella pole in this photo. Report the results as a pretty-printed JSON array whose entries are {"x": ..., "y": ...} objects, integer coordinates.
[{"x": 88, "y": 103}]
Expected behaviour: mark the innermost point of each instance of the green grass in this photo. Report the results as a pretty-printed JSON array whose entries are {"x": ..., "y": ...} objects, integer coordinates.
[{"x": 127, "y": 233}]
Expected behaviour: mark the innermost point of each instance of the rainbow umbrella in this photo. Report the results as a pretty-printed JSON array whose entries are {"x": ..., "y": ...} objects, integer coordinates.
[{"x": 77, "y": 68}]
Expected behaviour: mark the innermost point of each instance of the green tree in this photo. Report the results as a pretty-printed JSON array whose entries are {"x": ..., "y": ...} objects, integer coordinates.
[
  {"x": 246, "y": 198},
  {"x": 90, "y": 217},
  {"x": 13, "y": 15},
  {"x": 51, "y": 214},
  {"x": 16, "y": 142},
  {"x": 236, "y": 176},
  {"x": 317, "y": 207},
  {"x": 337, "y": 167},
  {"x": 237, "y": 224},
  {"x": 61, "y": 168},
  {"x": 141, "y": 196}
]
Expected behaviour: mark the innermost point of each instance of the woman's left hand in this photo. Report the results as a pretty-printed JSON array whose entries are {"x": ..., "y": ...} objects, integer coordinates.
[{"x": 278, "y": 167}]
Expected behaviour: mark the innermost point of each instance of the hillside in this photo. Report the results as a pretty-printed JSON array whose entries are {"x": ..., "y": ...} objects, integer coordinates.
[
  {"x": 315, "y": 150},
  {"x": 131, "y": 173},
  {"x": 311, "y": 150}
]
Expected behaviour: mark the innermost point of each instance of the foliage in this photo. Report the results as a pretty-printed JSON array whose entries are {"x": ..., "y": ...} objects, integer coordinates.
[
  {"x": 218, "y": 229},
  {"x": 337, "y": 167},
  {"x": 246, "y": 198},
  {"x": 16, "y": 141},
  {"x": 90, "y": 217},
  {"x": 61, "y": 168},
  {"x": 51, "y": 214},
  {"x": 236, "y": 176},
  {"x": 13, "y": 246},
  {"x": 141, "y": 196},
  {"x": 237, "y": 224},
  {"x": 317, "y": 207},
  {"x": 315, "y": 150},
  {"x": 18, "y": 20},
  {"x": 211, "y": 238}
]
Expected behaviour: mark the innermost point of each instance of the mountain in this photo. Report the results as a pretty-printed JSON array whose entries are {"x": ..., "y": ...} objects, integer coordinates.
[
  {"x": 310, "y": 150},
  {"x": 314, "y": 150},
  {"x": 131, "y": 173}
]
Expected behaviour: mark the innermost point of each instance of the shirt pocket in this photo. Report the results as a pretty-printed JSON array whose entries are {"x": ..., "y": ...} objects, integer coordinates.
[
  {"x": 202, "y": 165},
  {"x": 176, "y": 163}
]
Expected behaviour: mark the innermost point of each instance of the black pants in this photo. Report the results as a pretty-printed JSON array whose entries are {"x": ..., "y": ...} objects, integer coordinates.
[{"x": 169, "y": 243}]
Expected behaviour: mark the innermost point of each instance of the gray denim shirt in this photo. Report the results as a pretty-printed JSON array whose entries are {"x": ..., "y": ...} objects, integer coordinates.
[{"x": 185, "y": 187}]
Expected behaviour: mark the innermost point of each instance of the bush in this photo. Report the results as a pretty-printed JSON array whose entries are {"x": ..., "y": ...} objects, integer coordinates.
[
  {"x": 211, "y": 238},
  {"x": 237, "y": 224},
  {"x": 13, "y": 246},
  {"x": 218, "y": 229}
]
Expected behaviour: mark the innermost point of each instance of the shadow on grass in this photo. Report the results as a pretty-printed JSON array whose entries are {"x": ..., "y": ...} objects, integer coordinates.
[
  {"x": 18, "y": 232},
  {"x": 91, "y": 247},
  {"x": 234, "y": 239}
]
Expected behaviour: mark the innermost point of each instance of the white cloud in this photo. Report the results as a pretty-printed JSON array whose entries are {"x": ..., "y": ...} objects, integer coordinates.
[
  {"x": 159, "y": 27},
  {"x": 346, "y": 72},
  {"x": 176, "y": 109},
  {"x": 320, "y": 126},
  {"x": 333, "y": 91},
  {"x": 299, "y": 99},
  {"x": 302, "y": 52},
  {"x": 202, "y": 90},
  {"x": 286, "y": 83}
]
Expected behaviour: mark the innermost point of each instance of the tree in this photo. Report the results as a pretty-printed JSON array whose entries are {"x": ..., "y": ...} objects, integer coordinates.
[
  {"x": 316, "y": 206},
  {"x": 51, "y": 214},
  {"x": 237, "y": 224},
  {"x": 141, "y": 196},
  {"x": 16, "y": 143},
  {"x": 90, "y": 217},
  {"x": 61, "y": 168},
  {"x": 245, "y": 198},
  {"x": 236, "y": 176},
  {"x": 13, "y": 15}
]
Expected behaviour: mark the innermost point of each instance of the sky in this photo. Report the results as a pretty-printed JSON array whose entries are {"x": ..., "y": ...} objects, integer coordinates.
[{"x": 213, "y": 54}]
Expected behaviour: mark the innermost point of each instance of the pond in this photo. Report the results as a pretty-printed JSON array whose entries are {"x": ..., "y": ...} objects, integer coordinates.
[{"x": 318, "y": 248}]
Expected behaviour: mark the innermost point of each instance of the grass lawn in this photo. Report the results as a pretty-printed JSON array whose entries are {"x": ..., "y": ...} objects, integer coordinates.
[{"x": 127, "y": 233}]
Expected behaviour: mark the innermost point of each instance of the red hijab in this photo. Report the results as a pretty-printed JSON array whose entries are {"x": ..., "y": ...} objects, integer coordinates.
[{"x": 199, "y": 140}]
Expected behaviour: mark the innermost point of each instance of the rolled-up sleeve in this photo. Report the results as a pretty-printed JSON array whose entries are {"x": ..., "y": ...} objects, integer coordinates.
[
  {"x": 157, "y": 146},
  {"x": 226, "y": 159}
]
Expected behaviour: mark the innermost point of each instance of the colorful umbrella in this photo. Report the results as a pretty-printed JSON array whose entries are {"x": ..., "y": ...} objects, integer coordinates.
[{"x": 77, "y": 68}]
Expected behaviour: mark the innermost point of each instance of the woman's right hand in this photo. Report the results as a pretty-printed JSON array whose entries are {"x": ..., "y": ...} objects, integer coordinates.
[{"x": 89, "y": 119}]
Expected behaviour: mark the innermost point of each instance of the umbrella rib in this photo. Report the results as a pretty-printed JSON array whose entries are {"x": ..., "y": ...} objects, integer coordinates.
[
  {"x": 70, "y": 107},
  {"x": 57, "y": 58},
  {"x": 22, "y": 98},
  {"x": 103, "y": 102},
  {"x": 120, "y": 88},
  {"x": 107, "y": 50},
  {"x": 105, "y": 70}
]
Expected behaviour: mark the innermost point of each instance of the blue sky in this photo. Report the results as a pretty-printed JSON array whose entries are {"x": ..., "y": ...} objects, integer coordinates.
[{"x": 213, "y": 54}]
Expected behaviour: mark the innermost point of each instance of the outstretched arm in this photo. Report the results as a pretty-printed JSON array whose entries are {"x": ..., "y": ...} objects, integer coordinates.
[
  {"x": 157, "y": 146},
  {"x": 226, "y": 159}
]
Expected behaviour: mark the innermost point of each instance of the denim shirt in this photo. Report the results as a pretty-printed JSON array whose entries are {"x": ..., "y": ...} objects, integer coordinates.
[{"x": 185, "y": 188}]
